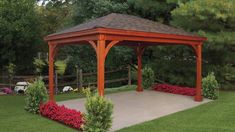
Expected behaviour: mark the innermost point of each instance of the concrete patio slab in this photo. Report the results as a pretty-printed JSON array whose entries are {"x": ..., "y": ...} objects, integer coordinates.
[{"x": 133, "y": 107}]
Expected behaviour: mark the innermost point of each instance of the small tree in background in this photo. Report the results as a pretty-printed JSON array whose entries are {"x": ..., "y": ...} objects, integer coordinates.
[
  {"x": 11, "y": 71},
  {"x": 41, "y": 66},
  {"x": 148, "y": 77},
  {"x": 210, "y": 86},
  {"x": 99, "y": 113},
  {"x": 35, "y": 95}
]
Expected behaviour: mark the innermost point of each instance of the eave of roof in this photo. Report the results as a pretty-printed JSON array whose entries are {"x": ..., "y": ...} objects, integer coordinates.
[{"x": 107, "y": 31}]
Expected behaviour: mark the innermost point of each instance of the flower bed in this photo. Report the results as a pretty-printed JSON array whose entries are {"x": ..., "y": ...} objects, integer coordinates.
[
  {"x": 7, "y": 90},
  {"x": 174, "y": 89},
  {"x": 62, "y": 114}
]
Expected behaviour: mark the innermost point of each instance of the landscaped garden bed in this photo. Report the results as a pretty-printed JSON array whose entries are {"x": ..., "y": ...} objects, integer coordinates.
[
  {"x": 62, "y": 114},
  {"x": 174, "y": 89}
]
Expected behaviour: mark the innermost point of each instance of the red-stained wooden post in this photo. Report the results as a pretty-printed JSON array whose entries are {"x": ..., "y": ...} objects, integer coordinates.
[
  {"x": 139, "y": 52},
  {"x": 100, "y": 65},
  {"x": 51, "y": 70},
  {"x": 198, "y": 96},
  {"x": 101, "y": 52}
]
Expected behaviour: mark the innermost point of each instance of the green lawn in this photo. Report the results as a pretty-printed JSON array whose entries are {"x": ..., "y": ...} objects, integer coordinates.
[
  {"x": 13, "y": 117},
  {"x": 216, "y": 116}
]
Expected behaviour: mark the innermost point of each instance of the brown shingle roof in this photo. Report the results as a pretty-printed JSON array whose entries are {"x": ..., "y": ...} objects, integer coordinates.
[{"x": 126, "y": 22}]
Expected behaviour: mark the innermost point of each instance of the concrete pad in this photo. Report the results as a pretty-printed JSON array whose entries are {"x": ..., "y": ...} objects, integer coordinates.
[{"x": 133, "y": 107}]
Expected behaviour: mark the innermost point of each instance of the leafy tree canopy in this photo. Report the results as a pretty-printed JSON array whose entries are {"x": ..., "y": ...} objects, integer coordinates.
[
  {"x": 214, "y": 20},
  {"x": 207, "y": 15},
  {"x": 19, "y": 34}
]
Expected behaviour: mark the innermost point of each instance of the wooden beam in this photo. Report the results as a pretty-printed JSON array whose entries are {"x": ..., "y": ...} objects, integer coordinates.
[
  {"x": 109, "y": 46},
  {"x": 94, "y": 45}
]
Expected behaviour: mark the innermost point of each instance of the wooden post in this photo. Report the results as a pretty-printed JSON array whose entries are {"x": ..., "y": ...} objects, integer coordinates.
[
  {"x": 101, "y": 52},
  {"x": 139, "y": 52},
  {"x": 80, "y": 78},
  {"x": 51, "y": 69},
  {"x": 198, "y": 96},
  {"x": 77, "y": 76},
  {"x": 139, "y": 74},
  {"x": 56, "y": 82},
  {"x": 100, "y": 66},
  {"x": 129, "y": 75}
]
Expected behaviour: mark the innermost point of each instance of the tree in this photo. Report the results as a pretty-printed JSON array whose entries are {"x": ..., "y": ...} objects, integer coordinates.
[
  {"x": 19, "y": 34},
  {"x": 90, "y": 9},
  {"x": 156, "y": 10},
  {"x": 54, "y": 15},
  {"x": 214, "y": 20}
]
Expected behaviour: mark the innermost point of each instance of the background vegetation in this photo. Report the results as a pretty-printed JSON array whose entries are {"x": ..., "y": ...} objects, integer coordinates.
[{"x": 23, "y": 24}]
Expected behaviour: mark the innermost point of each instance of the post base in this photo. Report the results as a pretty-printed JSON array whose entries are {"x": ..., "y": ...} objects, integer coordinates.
[
  {"x": 139, "y": 90},
  {"x": 198, "y": 99}
]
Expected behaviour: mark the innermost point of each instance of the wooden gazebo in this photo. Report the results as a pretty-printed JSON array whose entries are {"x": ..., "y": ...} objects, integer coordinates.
[{"x": 123, "y": 30}]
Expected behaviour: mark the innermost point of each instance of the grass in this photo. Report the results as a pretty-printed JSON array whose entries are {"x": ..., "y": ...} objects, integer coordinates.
[
  {"x": 13, "y": 117},
  {"x": 216, "y": 116}
]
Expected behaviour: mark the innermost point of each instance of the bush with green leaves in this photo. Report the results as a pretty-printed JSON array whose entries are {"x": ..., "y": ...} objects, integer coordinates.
[
  {"x": 210, "y": 86},
  {"x": 36, "y": 94},
  {"x": 99, "y": 113},
  {"x": 148, "y": 77}
]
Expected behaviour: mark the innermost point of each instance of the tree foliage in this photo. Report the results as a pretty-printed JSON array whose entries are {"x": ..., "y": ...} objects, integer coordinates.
[
  {"x": 157, "y": 10},
  {"x": 214, "y": 20},
  {"x": 207, "y": 15},
  {"x": 19, "y": 34},
  {"x": 55, "y": 15},
  {"x": 90, "y": 9}
]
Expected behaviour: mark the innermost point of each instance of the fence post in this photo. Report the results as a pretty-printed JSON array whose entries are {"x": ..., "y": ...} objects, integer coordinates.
[
  {"x": 80, "y": 78},
  {"x": 77, "y": 76},
  {"x": 129, "y": 75},
  {"x": 56, "y": 82}
]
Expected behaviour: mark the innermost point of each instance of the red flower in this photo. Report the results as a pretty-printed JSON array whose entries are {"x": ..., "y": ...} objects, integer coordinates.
[
  {"x": 174, "y": 89},
  {"x": 62, "y": 114}
]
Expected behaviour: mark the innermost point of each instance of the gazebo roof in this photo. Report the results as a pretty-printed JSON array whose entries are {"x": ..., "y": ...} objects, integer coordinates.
[
  {"x": 126, "y": 22},
  {"x": 126, "y": 29}
]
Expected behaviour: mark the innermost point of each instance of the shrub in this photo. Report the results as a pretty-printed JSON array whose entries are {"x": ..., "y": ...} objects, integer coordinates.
[
  {"x": 62, "y": 114},
  {"x": 99, "y": 113},
  {"x": 36, "y": 93},
  {"x": 210, "y": 86},
  {"x": 148, "y": 77}
]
